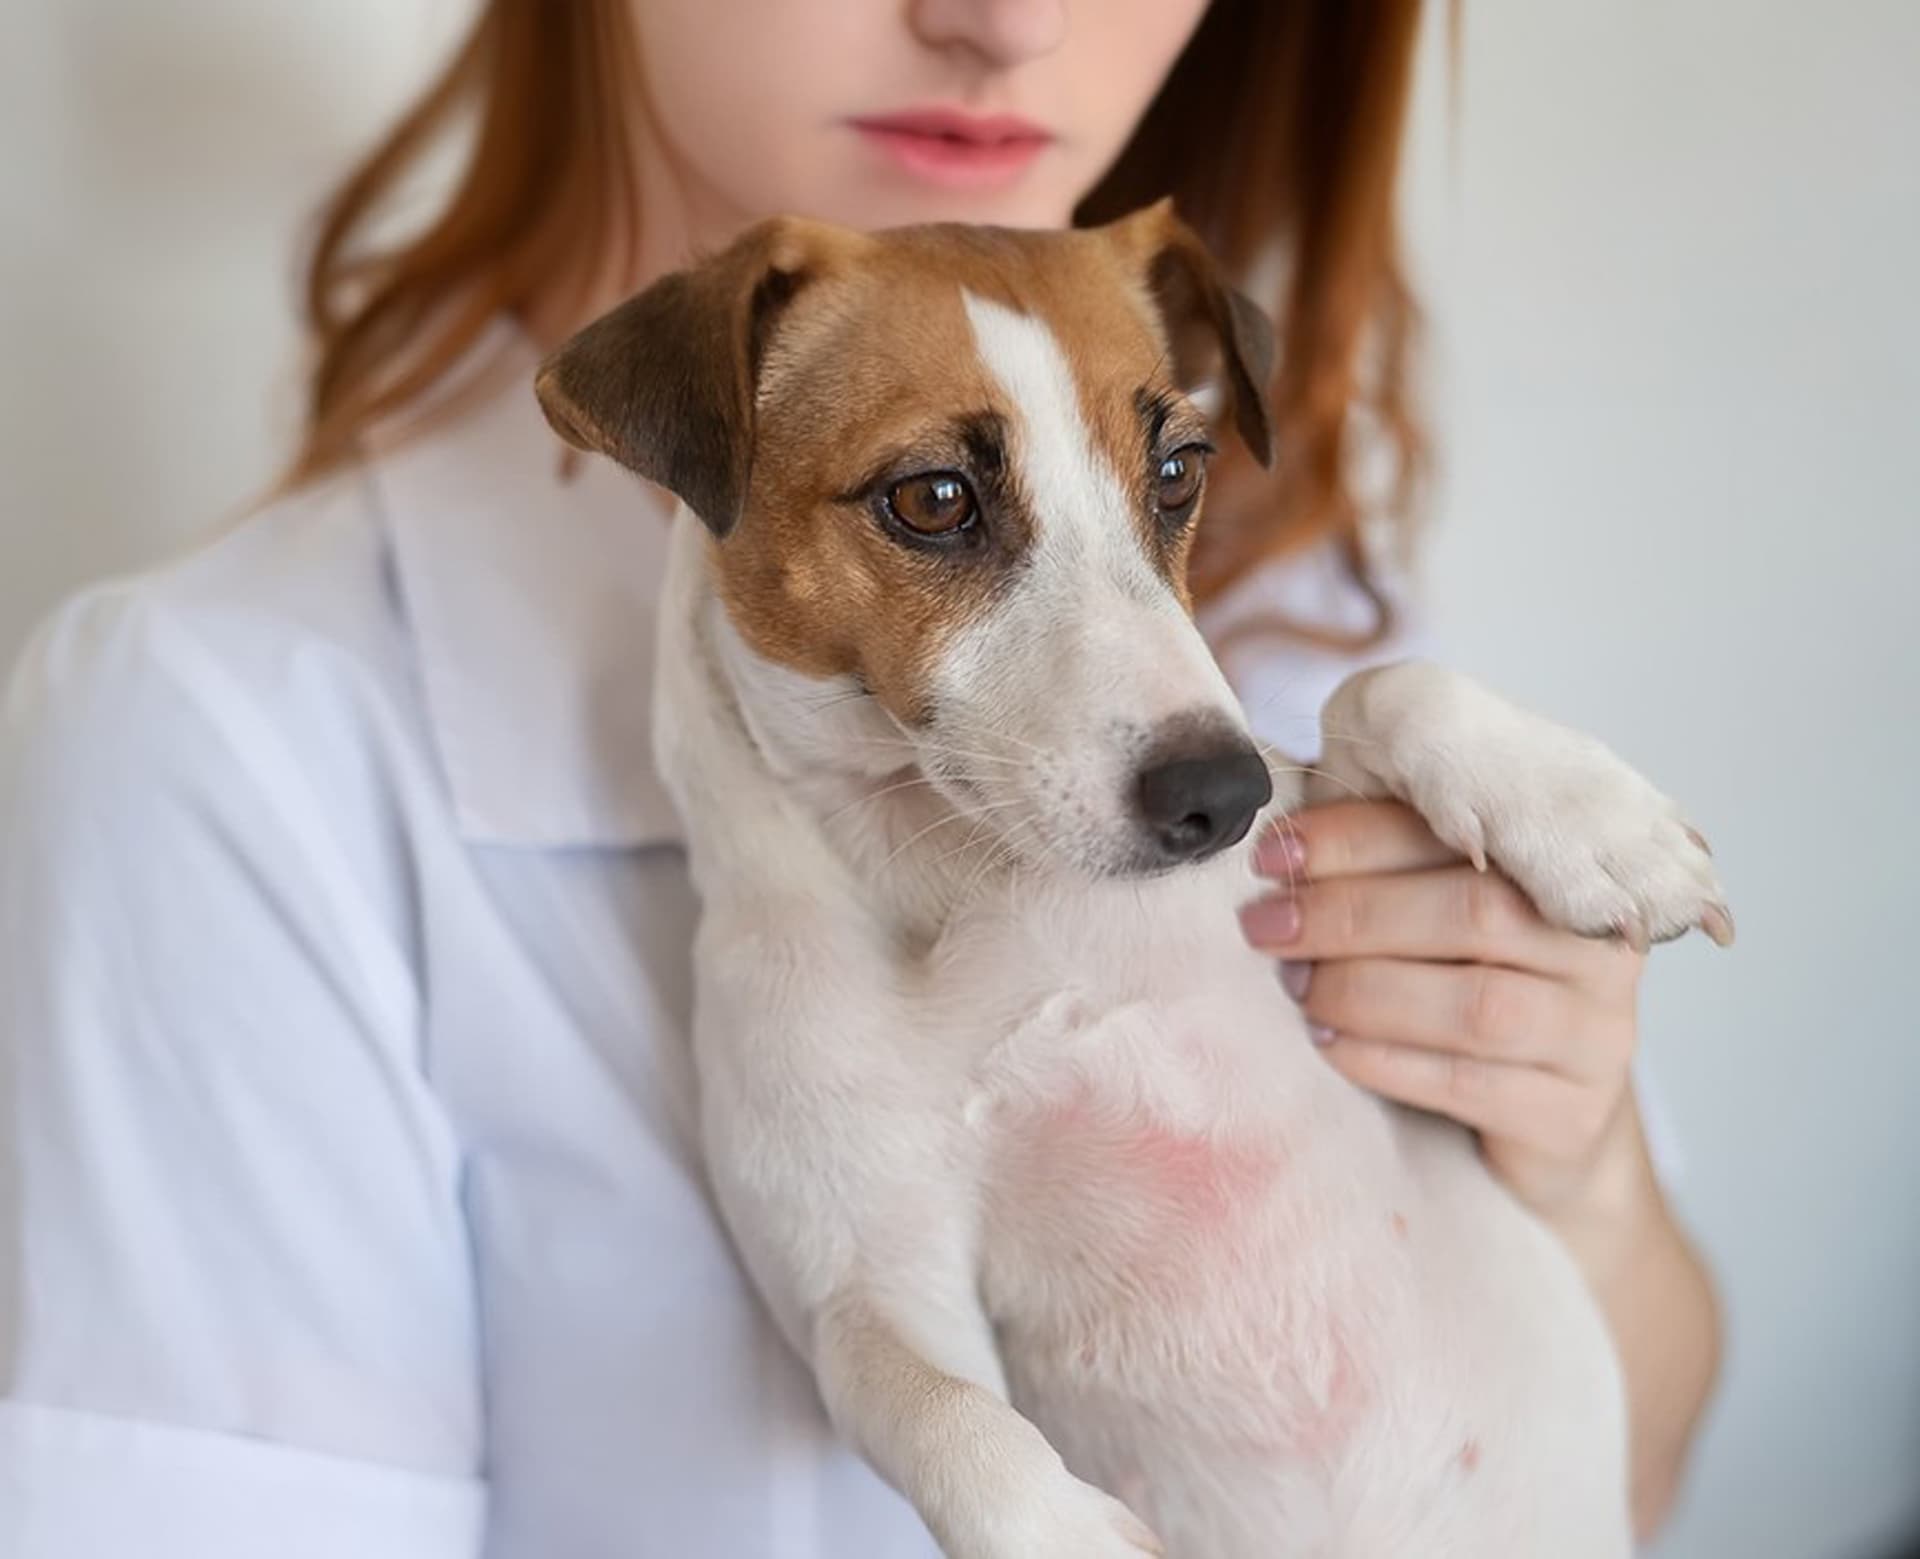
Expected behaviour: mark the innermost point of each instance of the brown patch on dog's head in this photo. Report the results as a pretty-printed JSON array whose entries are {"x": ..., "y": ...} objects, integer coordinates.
[
  {"x": 785, "y": 388},
  {"x": 1209, "y": 331},
  {"x": 664, "y": 383}
]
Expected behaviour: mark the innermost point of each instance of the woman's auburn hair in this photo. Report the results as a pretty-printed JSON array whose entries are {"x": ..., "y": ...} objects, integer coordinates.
[{"x": 1277, "y": 132}]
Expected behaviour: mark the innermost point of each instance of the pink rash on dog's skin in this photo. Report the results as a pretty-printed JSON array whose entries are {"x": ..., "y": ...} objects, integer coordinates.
[
  {"x": 1198, "y": 1183},
  {"x": 1205, "y": 1179},
  {"x": 1469, "y": 1457},
  {"x": 1188, "y": 1190},
  {"x": 1197, "y": 1177}
]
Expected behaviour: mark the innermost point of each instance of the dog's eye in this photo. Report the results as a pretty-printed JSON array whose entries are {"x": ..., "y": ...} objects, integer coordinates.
[
  {"x": 1180, "y": 476},
  {"x": 940, "y": 503}
]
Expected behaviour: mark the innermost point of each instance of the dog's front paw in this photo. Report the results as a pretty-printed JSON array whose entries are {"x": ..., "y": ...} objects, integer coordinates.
[
  {"x": 1097, "y": 1526},
  {"x": 1596, "y": 847},
  {"x": 1067, "y": 1519},
  {"x": 1601, "y": 852}
]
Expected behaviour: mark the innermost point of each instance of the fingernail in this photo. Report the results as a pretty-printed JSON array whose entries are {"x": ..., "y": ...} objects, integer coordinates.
[
  {"x": 1296, "y": 976},
  {"x": 1320, "y": 1034},
  {"x": 1283, "y": 853},
  {"x": 1270, "y": 920}
]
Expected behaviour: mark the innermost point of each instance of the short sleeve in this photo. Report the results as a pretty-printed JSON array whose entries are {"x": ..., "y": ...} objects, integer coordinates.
[{"x": 235, "y": 1300}]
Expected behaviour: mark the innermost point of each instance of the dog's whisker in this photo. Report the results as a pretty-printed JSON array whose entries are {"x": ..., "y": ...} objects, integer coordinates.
[
  {"x": 942, "y": 821},
  {"x": 996, "y": 854},
  {"x": 1277, "y": 761},
  {"x": 917, "y": 835},
  {"x": 872, "y": 796},
  {"x": 1275, "y": 694},
  {"x": 1309, "y": 720},
  {"x": 921, "y": 750},
  {"x": 993, "y": 807},
  {"x": 954, "y": 755},
  {"x": 1015, "y": 759},
  {"x": 966, "y": 844},
  {"x": 1021, "y": 741},
  {"x": 1001, "y": 854},
  {"x": 1357, "y": 741},
  {"x": 1347, "y": 785},
  {"x": 835, "y": 700},
  {"x": 1027, "y": 825}
]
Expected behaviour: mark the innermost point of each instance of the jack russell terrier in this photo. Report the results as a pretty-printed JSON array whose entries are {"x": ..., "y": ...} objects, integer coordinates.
[{"x": 1024, "y": 1146}]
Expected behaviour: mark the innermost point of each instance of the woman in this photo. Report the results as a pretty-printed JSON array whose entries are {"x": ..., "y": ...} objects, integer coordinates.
[{"x": 342, "y": 976}]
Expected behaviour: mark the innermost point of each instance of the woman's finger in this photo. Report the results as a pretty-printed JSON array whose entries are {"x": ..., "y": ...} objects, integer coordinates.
[
  {"x": 1454, "y": 913},
  {"x": 1346, "y": 838},
  {"x": 1479, "y": 1010},
  {"x": 1521, "y": 1106}
]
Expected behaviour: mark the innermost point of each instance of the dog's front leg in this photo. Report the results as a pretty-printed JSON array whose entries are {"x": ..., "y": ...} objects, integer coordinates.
[
  {"x": 1592, "y": 843},
  {"x": 850, "y": 1197},
  {"x": 906, "y": 1363},
  {"x": 926, "y": 1405}
]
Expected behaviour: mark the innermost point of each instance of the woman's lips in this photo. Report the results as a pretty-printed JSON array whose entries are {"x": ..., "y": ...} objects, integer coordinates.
[{"x": 956, "y": 150}]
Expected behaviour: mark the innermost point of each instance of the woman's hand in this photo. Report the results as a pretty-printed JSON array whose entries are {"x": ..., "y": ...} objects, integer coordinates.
[{"x": 1440, "y": 986}]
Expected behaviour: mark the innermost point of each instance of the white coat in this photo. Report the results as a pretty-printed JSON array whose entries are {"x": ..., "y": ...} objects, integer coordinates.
[{"x": 347, "y": 1206}]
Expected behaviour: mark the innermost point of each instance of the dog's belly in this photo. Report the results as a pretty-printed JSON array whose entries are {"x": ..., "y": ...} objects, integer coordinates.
[{"x": 1273, "y": 1314}]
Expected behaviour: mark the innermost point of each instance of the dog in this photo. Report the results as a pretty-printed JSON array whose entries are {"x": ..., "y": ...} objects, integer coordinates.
[{"x": 1024, "y": 1147}]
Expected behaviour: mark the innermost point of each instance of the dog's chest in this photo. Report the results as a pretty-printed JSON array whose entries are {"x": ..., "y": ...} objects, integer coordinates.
[
  {"x": 1164, "y": 1159},
  {"x": 1164, "y": 1203},
  {"x": 1122, "y": 1132},
  {"x": 1198, "y": 1243}
]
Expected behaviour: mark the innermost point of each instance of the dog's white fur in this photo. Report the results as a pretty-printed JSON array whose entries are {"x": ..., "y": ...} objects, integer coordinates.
[{"x": 1037, "y": 1167}]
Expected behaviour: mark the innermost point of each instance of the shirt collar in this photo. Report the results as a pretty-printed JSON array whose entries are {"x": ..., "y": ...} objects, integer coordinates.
[{"x": 531, "y": 601}]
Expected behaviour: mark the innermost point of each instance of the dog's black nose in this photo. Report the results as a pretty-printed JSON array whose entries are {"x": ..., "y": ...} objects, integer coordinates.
[{"x": 1197, "y": 802}]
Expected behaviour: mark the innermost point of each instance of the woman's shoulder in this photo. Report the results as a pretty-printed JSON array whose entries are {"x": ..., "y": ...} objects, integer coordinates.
[
  {"x": 300, "y": 581},
  {"x": 149, "y": 696}
]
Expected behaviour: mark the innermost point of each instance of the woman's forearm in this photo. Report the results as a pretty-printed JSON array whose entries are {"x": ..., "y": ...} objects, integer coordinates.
[{"x": 1659, "y": 1303}]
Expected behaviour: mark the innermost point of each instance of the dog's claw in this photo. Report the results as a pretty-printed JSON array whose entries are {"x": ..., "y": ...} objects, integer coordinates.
[
  {"x": 1699, "y": 839},
  {"x": 1633, "y": 931},
  {"x": 1717, "y": 922}
]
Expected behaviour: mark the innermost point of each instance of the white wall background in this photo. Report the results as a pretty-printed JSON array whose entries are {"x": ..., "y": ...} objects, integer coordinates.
[
  {"x": 1672, "y": 249},
  {"x": 1678, "y": 283}
]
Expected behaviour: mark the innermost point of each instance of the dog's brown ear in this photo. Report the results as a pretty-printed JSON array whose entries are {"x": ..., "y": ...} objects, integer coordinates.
[
  {"x": 1207, "y": 320},
  {"x": 664, "y": 383}
]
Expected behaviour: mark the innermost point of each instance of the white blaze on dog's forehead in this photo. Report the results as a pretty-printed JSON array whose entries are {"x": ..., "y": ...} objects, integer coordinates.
[
  {"x": 1081, "y": 508},
  {"x": 1044, "y": 703}
]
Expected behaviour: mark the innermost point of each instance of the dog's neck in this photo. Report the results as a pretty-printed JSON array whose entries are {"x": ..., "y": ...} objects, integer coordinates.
[{"x": 846, "y": 766}]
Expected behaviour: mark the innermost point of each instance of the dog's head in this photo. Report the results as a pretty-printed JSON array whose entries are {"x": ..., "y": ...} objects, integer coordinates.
[{"x": 955, "y": 468}]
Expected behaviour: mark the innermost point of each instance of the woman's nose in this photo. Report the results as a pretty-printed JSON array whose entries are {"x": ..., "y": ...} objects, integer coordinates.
[{"x": 1004, "y": 33}]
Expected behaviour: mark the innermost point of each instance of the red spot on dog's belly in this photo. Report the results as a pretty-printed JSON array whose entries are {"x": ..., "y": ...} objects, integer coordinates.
[
  {"x": 1399, "y": 1222},
  {"x": 1469, "y": 1457},
  {"x": 1168, "y": 1228},
  {"x": 1199, "y": 1177},
  {"x": 1191, "y": 1178}
]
